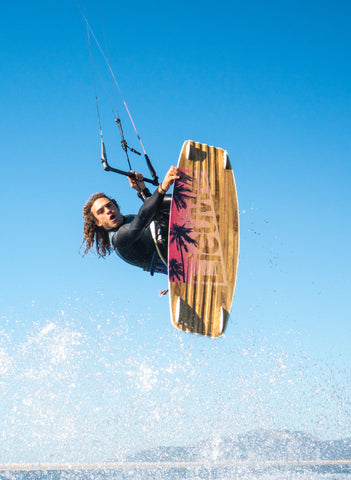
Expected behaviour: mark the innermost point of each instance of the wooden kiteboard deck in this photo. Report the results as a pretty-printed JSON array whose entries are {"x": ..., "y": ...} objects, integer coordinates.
[{"x": 203, "y": 240}]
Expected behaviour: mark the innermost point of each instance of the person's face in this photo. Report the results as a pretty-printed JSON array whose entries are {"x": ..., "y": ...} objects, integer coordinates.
[{"x": 106, "y": 213}]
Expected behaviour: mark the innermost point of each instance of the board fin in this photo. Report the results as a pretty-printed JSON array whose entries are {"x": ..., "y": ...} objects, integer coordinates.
[{"x": 227, "y": 165}]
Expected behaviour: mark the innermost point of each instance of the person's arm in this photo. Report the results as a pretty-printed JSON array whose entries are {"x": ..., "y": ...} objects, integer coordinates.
[
  {"x": 171, "y": 176},
  {"x": 133, "y": 230},
  {"x": 139, "y": 185},
  {"x": 144, "y": 194}
]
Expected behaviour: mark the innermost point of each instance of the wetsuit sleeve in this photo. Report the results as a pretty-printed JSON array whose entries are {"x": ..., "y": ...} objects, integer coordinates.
[
  {"x": 144, "y": 194},
  {"x": 131, "y": 232}
]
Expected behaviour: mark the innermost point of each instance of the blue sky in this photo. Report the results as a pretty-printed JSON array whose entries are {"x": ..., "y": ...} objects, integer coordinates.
[{"x": 90, "y": 366}]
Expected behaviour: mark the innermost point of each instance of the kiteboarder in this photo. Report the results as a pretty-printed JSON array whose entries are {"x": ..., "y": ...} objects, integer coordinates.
[{"x": 132, "y": 237}]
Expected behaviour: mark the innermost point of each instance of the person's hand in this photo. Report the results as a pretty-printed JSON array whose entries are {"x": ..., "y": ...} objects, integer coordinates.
[
  {"x": 171, "y": 176},
  {"x": 138, "y": 180}
]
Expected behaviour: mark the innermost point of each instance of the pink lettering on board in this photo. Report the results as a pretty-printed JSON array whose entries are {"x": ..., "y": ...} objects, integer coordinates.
[{"x": 195, "y": 251}]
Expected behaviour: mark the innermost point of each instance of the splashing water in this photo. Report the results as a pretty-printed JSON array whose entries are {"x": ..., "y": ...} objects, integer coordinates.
[{"x": 82, "y": 387}]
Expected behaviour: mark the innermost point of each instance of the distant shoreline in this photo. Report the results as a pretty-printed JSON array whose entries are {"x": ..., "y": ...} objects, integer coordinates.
[{"x": 26, "y": 467}]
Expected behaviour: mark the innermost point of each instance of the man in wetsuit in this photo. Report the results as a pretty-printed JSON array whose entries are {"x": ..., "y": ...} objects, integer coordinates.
[{"x": 130, "y": 235}]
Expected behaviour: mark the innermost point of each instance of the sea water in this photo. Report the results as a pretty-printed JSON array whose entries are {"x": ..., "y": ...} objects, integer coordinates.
[
  {"x": 204, "y": 473},
  {"x": 81, "y": 387}
]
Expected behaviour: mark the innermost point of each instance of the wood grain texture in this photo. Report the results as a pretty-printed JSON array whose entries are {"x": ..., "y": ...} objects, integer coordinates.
[{"x": 203, "y": 241}]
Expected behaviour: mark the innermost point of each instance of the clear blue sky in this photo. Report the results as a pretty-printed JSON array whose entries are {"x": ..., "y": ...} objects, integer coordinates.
[{"x": 90, "y": 366}]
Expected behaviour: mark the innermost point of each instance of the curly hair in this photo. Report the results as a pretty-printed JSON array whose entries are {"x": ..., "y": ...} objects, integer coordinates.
[{"x": 92, "y": 233}]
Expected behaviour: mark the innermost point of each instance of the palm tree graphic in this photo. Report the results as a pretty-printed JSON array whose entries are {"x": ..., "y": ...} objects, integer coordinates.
[
  {"x": 175, "y": 270},
  {"x": 180, "y": 235},
  {"x": 182, "y": 193}
]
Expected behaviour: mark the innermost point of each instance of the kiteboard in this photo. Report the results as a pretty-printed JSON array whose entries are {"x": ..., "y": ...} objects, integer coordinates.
[{"x": 203, "y": 247}]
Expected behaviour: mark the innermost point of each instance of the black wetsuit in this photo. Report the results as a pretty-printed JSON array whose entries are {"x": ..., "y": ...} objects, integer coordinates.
[{"x": 133, "y": 241}]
